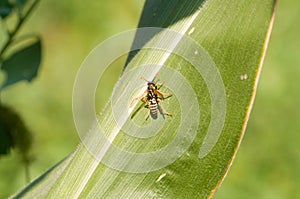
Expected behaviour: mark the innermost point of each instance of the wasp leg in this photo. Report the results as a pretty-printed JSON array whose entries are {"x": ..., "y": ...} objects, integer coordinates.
[
  {"x": 162, "y": 111},
  {"x": 160, "y": 85},
  {"x": 162, "y": 95},
  {"x": 148, "y": 113},
  {"x": 137, "y": 110},
  {"x": 144, "y": 100},
  {"x": 138, "y": 98}
]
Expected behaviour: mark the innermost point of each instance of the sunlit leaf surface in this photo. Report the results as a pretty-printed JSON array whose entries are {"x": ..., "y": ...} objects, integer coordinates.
[{"x": 217, "y": 73}]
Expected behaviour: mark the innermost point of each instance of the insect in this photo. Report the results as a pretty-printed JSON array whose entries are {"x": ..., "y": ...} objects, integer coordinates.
[{"x": 152, "y": 97}]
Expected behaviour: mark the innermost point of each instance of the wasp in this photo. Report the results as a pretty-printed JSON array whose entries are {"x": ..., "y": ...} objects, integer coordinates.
[{"x": 152, "y": 97}]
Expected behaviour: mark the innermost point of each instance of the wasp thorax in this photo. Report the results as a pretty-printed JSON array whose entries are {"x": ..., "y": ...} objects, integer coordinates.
[{"x": 151, "y": 86}]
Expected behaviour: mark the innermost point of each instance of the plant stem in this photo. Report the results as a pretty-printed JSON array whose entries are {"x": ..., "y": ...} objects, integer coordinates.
[{"x": 17, "y": 28}]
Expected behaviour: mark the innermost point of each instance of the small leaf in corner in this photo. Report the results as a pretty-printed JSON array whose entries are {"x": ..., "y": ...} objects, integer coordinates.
[{"x": 22, "y": 65}]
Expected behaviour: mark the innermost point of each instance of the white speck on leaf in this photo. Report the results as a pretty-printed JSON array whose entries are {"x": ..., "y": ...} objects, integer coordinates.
[
  {"x": 196, "y": 52},
  {"x": 244, "y": 77},
  {"x": 161, "y": 177},
  {"x": 191, "y": 31}
]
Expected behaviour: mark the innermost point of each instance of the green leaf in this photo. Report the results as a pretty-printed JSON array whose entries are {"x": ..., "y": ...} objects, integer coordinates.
[
  {"x": 22, "y": 65},
  {"x": 213, "y": 68},
  {"x": 5, "y": 8}
]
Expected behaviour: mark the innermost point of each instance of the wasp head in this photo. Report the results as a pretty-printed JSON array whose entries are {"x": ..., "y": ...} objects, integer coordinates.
[{"x": 152, "y": 86}]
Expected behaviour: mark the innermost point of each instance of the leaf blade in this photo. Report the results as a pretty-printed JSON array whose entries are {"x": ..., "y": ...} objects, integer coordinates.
[{"x": 223, "y": 40}]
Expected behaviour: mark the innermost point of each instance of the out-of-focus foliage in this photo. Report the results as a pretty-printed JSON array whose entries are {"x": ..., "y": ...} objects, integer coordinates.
[{"x": 21, "y": 63}]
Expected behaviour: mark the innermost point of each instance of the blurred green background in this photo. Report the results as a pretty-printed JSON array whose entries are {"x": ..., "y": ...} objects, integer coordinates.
[{"x": 267, "y": 164}]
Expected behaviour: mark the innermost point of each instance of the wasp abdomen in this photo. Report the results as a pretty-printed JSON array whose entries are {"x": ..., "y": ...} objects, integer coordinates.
[{"x": 153, "y": 109}]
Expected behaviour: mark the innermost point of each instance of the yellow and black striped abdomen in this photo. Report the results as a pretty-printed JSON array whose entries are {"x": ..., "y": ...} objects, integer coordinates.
[{"x": 153, "y": 108}]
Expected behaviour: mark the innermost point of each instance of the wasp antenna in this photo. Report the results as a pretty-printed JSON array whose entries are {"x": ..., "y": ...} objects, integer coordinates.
[
  {"x": 144, "y": 79},
  {"x": 155, "y": 76}
]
